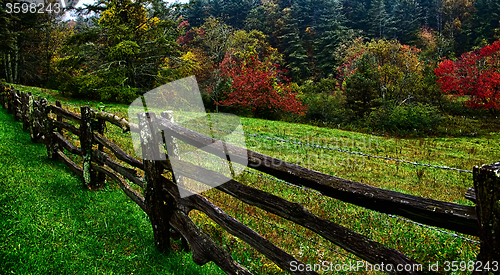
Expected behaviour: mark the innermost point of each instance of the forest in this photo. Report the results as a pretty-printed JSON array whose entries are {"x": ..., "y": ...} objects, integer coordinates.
[{"x": 405, "y": 67}]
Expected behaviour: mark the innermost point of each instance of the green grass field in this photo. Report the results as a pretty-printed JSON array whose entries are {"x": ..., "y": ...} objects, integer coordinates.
[
  {"x": 51, "y": 224},
  {"x": 423, "y": 244}
]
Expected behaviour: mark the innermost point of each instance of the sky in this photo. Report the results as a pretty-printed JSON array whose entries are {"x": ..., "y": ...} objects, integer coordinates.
[{"x": 81, "y": 3}]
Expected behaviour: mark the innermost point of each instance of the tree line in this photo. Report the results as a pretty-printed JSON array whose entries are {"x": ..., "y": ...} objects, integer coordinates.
[{"x": 386, "y": 64}]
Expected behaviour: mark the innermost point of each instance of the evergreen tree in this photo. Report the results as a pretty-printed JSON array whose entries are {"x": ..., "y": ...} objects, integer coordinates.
[
  {"x": 291, "y": 45},
  {"x": 6, "y": 32},
  {"x": 406, "y": 20},
  {"x": 330, "y": 32},
  {"x": 196, "y": 12},
  {"x": 237, "y": 11},
  {"x": 7, "y": 43},
  {"x": 362, "y": 90},
  {"x": 305, "y": 11},
  {"x": 264, "y": 18},
  {"x": 486, "y": 22},
  {"x": 28, "y": 45},
  {"x": 431, "y": 16},
  {"x": 355, "y": 13},
  {"x": 379, "y": 20},
  {"x": 216, "y": 8}
]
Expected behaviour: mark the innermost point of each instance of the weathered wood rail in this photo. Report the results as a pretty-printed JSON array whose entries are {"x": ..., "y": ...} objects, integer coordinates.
[{"x": 168, "y": 212}]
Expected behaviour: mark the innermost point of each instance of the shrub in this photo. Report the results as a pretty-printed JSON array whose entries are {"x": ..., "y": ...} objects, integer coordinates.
[
  {"x": 104, "y": 88},
  {"x": 118, "y": 94},
  {"x": 325, "y": 85},
  {"x": 405, "y": 118},
  {"x": 327, "y": 108}
]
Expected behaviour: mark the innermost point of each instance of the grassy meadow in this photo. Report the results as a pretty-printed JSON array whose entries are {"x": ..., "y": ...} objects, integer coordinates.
[
  {"x": 79, "y": 223},
  {"x": 51, "y": 224}
]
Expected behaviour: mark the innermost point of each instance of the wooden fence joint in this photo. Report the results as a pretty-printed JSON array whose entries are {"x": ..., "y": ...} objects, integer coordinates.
[
  {"x": 25, "y": 110},
  {"x": 173, "y": 151},
  {"x": 159, "y": 203}
]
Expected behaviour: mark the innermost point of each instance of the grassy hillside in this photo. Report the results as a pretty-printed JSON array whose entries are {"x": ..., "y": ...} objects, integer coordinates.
[
  {"x": 421, "y": 243},
  {"x": 51, "y": 224}
]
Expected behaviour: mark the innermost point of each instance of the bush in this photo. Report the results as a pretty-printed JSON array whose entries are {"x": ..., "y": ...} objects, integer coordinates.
[
  {"x": 328, "y": 108},
  {"x": 118, "y": 94},
  {"x": 103, "y": 86},
  {"x": 325, "y": 85},
  {"x": 405, "y": 118}
]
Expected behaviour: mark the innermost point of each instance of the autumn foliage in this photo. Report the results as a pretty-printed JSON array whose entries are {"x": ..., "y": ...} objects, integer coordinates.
[
  {"x": 258, "y": 86},
  {"x": 476, "y": 75}
]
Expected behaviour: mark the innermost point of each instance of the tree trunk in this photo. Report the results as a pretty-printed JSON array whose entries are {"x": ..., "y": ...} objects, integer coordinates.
[
  {"x": 5, "y": 66},
  {"x": 8, "y": 69},
  {"x": 16, "y": 63}
]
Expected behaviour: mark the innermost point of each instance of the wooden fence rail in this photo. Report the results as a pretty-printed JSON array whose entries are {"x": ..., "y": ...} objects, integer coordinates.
[{"x": 168, "y": 211}]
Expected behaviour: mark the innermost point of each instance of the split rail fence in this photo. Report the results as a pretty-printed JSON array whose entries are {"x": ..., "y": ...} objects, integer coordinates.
[{"x": 168, "y": 212}]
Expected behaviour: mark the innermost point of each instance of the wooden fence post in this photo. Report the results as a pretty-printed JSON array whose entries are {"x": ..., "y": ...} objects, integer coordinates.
[
  {"x": 86, "y": 146},
  {"x": 11, "y": 101},
  {"x": 24, "y": 110},
  {"x": 15, "y": 105},
  {"x": 173, "y": 150},
  {"x": 47, "y": 128},
  {"x": 487, "y": 185},
  {"x": 31, "y": 118},
  {"x": 100, "y": 176},
  {"x": 2, "y": 95},
  {"x": 58, "y": 117},
  {"x": 158, "y": 201}
]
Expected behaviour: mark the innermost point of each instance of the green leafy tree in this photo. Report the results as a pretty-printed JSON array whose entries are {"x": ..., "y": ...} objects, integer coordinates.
[
  {"x": 214, "y": 38},
  {"x": 395, "y": 68},
  {"x": 362, "y": 89},
  {"x": 128, "y": 51}
]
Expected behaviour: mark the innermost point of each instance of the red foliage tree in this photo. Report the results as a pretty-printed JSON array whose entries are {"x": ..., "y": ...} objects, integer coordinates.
[
  {"x": 476, "y": 75},
  {"x": 256, "y": 85}
]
